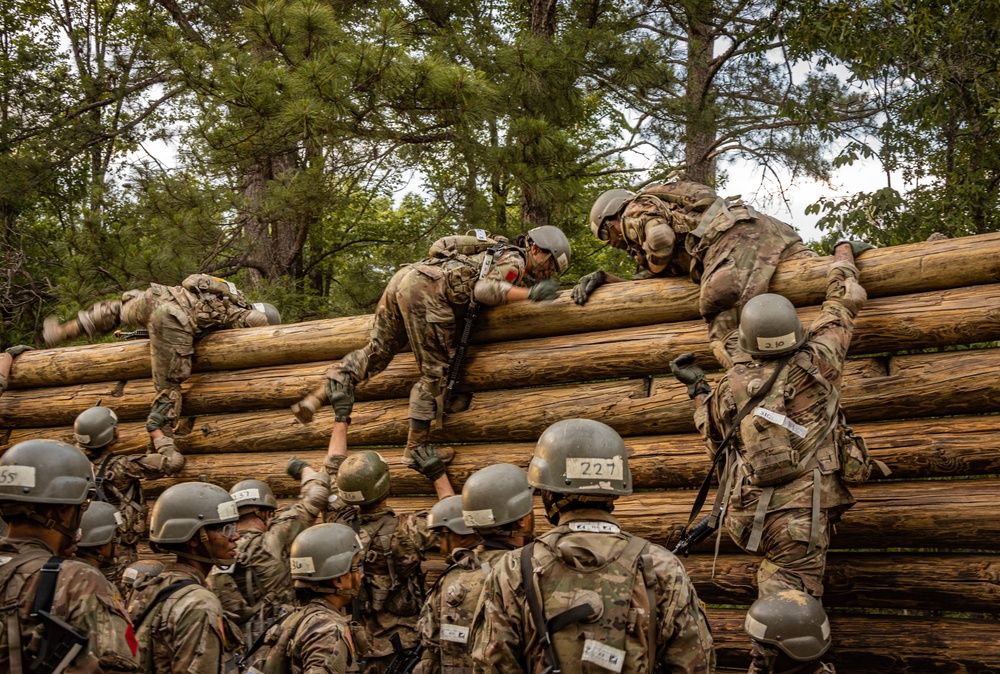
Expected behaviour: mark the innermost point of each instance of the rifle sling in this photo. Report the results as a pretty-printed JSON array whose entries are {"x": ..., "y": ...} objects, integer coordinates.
[
  {"x": 699, "y": 501},
  {"x": 160, "y": 596},
  {"x": 537, "y": 613}
]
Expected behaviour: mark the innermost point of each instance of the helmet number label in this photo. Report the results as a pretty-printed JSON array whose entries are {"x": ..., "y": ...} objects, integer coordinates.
[
  {"x": 228, "y": 510},
  {"x": 302, "y": 565},
  {"x": 246, "y": 495},
  {"x": 478, "y": 518},
  {"x": 17, "y": 476},
  {"x": 352, "y": 496},
  {"x": 602, "y": 655},
  {"x": 586, "y": 468},
  {"x": 775, "y": 343},
  {"x": 781, "y": 420}
]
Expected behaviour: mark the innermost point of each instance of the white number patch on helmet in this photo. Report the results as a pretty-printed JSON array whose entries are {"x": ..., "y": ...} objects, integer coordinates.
[
  {"x": 302, "y": 565},
  {"x": 586, "y": 468},
  {"x": 775, "y": 343},
  {"x": 17, "y": 476}
]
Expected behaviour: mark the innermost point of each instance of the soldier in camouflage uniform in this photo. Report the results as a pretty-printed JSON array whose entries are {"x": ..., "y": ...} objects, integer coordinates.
[
  {"x": 179, "y": 622},
  {"x": 136, "y": 573},
  {"x": 789, "y": 633},
  {"x": 783, "y": 477},
  {"x": 394, "y": 544},
  {"x": 7, "y": 362},
  {"x": 423, "y": 305},
  {"x": 609, "y": 598},
  {"x": 175, "y": 317},
  {"x": 254, "y": 588},
  {"x": 316, "y": 638},
  {"x": 119, "y": 478},
  {"x": 684, "y": 228},
  {"x": 43, "y": 493},
  {"x": 497, "y": 503},
  {"x": 99, "y": 532}
]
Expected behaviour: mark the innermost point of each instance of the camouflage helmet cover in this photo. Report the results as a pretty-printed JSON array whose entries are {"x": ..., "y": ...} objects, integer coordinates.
[
  {"x": 323, "y": 552},
  {"x": 363, "y": 478},
  {"x": 769, "y": 327},
  {"x": 95, "y": 427},
  {"x": 496, "y": 495},
  {"x": 791, "y": 620},
  {"x": 581, "y": 456},
  {"x": 183, "y": 509},
  {"x": 447, "y": 514},
  {"x": 45, "y": 471}
]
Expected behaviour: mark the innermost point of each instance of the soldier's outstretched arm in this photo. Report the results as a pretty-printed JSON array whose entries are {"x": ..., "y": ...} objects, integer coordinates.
[
  {"x": 165, "y": 461},
  {"x": 301, "y": 515}
]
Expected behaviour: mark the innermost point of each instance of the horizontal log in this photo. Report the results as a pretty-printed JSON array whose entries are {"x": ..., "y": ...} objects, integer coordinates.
[
  {"x": 945, "y": 447},
  {"x": 910, "y": 386},
  {"x": 899, "y": 270},
  {"x": 881, "y": 644},
  {"x": 924, "y": 320}
]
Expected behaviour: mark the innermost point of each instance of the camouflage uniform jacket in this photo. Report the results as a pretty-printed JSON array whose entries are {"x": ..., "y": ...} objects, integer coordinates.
[
  {"x": 461, "y": 273},
  {"x": 814, "y": 378},
  {"x": 589, "y": 543},
  {"x": 185, "y": 633},
  {"x": 83, "y": 598},
  {"x": 393, "y": 588},
  {"x": 203, "y": 311},
  {"x": 259, "y": 580},
  {"x": 446, "y": 619},
  {"x": 320, "y": 643}
]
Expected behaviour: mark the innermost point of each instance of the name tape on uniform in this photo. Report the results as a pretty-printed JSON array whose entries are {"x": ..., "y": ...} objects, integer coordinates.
[
  {"x": 781, "y": 420},
  {"x": 17, "y": 476},
  {"x": 595, "y": 527},
  {"x": 586, "y": 468},
  {"x": 478, "y": 518},
  {"x": 775, "y": 343},
  {"x": 352, "y": 496},
  {"x": 228, "y": 510},
  {"x": 302, "y": 565},
  {"x": 480, "y": 236},
  {"x": 454, "y": 633},
  {"x": 602, "y": 655},
  {"x": 119, "y": 520},
  {"x": 245, "y": 495}
]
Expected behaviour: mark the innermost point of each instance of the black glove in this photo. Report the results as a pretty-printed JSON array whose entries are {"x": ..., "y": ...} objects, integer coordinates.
[
  {"x": 586, "y": 285},
  {"x": 16, "y": 351},
  {"x": 427, "y": 462},
  {"x": 688, "y": 373},
  {"x": 341, "y": 397},
  {"x": 857, "y": 247},
  {"x": 543, "y": 291},
  {"x": 158, "y": 416},
  {"x": 294, "y": 467}
]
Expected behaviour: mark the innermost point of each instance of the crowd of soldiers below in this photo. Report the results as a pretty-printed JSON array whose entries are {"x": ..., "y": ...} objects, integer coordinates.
[{"x": 254, "y": 588}]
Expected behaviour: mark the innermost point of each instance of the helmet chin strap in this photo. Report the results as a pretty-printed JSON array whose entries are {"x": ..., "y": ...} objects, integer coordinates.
[{"x": 214, "y": 561}]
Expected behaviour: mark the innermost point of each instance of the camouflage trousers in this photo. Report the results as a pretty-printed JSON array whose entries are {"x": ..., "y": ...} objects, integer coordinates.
[
  {"x": 788, "y": 564},
  {"x": 413, "y": 308},
  {"x": 739, "y": 267}
]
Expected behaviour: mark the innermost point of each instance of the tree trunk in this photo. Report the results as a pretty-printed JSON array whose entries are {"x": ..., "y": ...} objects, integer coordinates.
[{"x": 701, "y": 128}]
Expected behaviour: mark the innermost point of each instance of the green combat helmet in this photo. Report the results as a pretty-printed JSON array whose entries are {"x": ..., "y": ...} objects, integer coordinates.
[
  {"x": 581, "y": 456},
  {"x": 45, "y": 471},
  {"x": 495, "y": 496},
  {"x": 791, "y": 620},
  {"x": 141, "y": 570},
  {"x": 607, "y": 206},
  {"x": 769, "y": 327},
  {"x": 99, "y": 525},
  {"x": 323, "y": 552},
  {"x": 95, "y": 427},
  {"x": 363, "y": 478},
  {"x": 252, "y": 496},
  {"x": 447, "y": 514},
  {"x": 269, "y": 310},
  {"x": 554, "y": 241},
  {"x": 183, "y": 509}
]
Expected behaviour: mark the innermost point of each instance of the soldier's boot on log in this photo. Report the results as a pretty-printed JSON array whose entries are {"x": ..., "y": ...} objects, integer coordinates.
[
  {"x": 55, "y": 333},
  {"x": 305, "y": 409},
  {"x": 95, "y": 320},
  {"x": 417, "y": 437}
]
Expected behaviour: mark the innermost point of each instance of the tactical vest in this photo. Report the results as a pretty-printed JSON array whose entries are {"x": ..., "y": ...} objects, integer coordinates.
[
  {"x": 15, "y": 571},
  {"x": 131, "y": 503},
  {"x": 458, "y": 260},
  {"x": 272, "y": 656},
  {"x": 253, "y": 581},
  {"x": 774, "y": 449},
  {"x": 148, "y": 613},
  {"x": 385, "y": 587},
  {"x": 589, "y": 613}
]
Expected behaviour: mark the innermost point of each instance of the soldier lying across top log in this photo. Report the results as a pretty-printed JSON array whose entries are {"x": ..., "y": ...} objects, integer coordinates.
[{"x": 260, "y": 588}]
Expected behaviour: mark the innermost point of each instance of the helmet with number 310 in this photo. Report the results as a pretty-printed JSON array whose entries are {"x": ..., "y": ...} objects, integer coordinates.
[{"x": 581, "y": 456}]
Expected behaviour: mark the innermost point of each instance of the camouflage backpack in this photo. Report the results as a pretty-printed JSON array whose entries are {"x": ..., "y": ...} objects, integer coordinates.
[
  {"x": 270, "y": 655},
  {"x": 386, "y": 586}
]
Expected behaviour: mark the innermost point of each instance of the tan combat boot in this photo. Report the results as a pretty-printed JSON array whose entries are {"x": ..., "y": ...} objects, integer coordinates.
[
  {"x": 305, "y": 409},
  {"x": 418, "y": 438},
  {"x": 54, "y": 334}
]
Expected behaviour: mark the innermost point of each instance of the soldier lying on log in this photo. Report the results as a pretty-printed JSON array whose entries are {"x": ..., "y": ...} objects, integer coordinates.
[
  {"x": 422, "y": 304},
  {"x": 175, "y": 317},
  {"x": 684, "y": 228}
]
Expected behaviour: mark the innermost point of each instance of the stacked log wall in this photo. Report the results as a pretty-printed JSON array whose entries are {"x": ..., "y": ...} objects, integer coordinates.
[{"x": 918, "y": 552}]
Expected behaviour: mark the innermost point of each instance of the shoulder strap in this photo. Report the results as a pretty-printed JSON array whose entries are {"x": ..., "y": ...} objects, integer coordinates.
[
  {"x": 722, "y": 448},
  {"x": 100, "y": 477},
  {"x": 46, "y": 590},
  {"x": 160, "y": 596},
  {"x": 537, "y": 612}
]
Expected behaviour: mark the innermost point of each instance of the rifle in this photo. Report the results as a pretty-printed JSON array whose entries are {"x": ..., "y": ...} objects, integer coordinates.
[
  {"x": 455, "y": 370},
  {"x": 405, "y": 660},
  {"x": 700, "y": 532},
  {"x": 141, "y": 333},
  {"x": 61, "y": 644}
]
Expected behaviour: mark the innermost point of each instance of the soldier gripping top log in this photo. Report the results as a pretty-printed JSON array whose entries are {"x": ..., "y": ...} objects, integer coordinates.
[
  {"x": 422, "y": 304},
  {"x": 175, "y": 316}
]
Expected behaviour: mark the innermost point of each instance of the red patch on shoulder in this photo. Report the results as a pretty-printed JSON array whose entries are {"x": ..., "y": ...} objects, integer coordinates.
[
  {"x": 511, "y": 275},
  {"x": 132, "y": 641}
]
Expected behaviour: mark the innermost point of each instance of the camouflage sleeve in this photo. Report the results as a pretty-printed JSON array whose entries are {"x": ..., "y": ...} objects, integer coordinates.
[
  {"x": 684, "y": 638},
  {"x": 250, "y": 318},
  {"x": 713, "y": 415},
  {"x": 648, "y": 220},
  {"x": 497, "y": 627},
  {"x": 283, "y": 529},
  {"x": 429, "y": 627},
  {"x": 321, "y": 646},
  {"x": 165, "y": 461},
  {"x": 93, "y": 606},
  {"x": 234, "y": 604},
  {"x": 830, "y": 334},
  {"x": 424, "y": 538},
  {"x": 507, "y": 271},
  {"x": 198, "y": 644}
]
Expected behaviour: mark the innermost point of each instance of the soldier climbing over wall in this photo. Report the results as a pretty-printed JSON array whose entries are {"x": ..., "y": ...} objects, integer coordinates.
[
  {"x": 175, "y": 316},
  {"x": 423, "y": 304}
]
